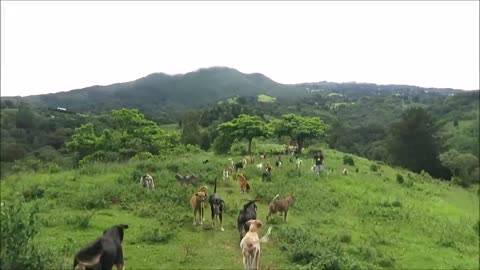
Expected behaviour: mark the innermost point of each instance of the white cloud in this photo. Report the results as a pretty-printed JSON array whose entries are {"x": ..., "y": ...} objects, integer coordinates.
[{"x": 59, "y": 46}]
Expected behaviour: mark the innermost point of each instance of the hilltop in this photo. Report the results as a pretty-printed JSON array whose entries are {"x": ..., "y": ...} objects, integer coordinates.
[{"x": 160, "y": 93}]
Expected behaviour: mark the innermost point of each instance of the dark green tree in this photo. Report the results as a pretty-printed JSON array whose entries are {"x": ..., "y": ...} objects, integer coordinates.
[{"x": 413, "y": 144}]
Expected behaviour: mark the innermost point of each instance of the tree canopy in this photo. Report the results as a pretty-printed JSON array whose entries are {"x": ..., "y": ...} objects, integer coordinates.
[{"x": 245, "y": 127}]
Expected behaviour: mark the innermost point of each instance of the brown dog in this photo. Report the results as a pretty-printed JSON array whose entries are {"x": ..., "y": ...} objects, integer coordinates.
[
  {"x": 198, "y": 204},
  {"x": 281, "y": 206},
  {"x": 250, "y": 245},
  {"x": 242, "y": 181}
]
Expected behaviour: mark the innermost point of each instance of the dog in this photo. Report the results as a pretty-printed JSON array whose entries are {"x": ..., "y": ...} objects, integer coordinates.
[
  {"x": 345, "y": 171},
  {"x": 281, "y": 206},
  {"x": 267, "y": 174},
  {"x": 248, "y": 212},
  {"x": 103, "y": 253},
  {"x": 216, "y": 206},
  {"x": 250, "y": 245},
  {"x": 227, "y": 171},
  {"x": 242, "y": 180},
  {"x": 187, "y": 179},
  {"x": 205, "y": 161},
  {"x": 238, "y": 166},
  {"x": 299, "y": 163},
  {"x": 278, "y": 163},
  {"x": 198, "y": 204},
  {"x": 146, "y": 181},
  {"x": 260, "y": 166}
]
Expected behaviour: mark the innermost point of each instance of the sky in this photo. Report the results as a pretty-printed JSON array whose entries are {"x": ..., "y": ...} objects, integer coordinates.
[{"x": 49, "y": 47}]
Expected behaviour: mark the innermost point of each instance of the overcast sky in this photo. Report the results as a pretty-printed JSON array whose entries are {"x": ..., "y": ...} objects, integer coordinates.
[{"x": 59, "y": 46}]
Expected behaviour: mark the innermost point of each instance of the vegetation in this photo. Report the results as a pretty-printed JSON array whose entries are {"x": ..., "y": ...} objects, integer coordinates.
[{"x": 360, "y": 220}]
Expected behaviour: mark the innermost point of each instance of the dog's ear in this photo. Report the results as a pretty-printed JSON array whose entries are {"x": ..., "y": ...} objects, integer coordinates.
[
  {"x": 250, "y": 222},
  {"x": 196, "y": 194},
  {"x": 123, "y": 226},
  {"x": 258, "y": 223}
]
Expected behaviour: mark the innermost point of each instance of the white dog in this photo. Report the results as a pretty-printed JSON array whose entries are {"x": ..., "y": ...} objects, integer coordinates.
[
  {"x": 147, "y": 181},
  {"x": 250, "y": 245}
]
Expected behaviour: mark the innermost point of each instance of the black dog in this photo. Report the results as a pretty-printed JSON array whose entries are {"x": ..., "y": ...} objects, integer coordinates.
[
  {"x": 267, "y": 174},
  {"x": 248, "y": 212},
  {"x": 205, "y": 161},
  {"x": 216, "y": 206},
  {"x": 104, "y": 253},
  {"x": 238, "y": 166}
]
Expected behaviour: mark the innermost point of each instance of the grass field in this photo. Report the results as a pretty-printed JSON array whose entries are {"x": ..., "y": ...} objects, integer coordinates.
[{"x": 363, "y": 220}]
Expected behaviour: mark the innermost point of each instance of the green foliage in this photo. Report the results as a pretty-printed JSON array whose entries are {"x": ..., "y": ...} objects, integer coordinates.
[
  {"x": 222, "y": 144},
  {"x": 400, "y": 179},
  {"x": 299, "y": 128},
  {"x": 245, "y": 127},
  {"x": 413, "y": 143},
  {"x": 33, "y": 193},
  {"x": 18, "y": 229},
  {"x": 373, "y": 167},
  {"x": 463, "y": 166},
  {"x": 348, "y": 160}
]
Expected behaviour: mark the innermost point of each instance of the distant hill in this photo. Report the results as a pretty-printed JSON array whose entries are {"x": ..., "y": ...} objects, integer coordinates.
[
  {"x": 162, "y": 93},
  {"x": 159, "y": 92}
]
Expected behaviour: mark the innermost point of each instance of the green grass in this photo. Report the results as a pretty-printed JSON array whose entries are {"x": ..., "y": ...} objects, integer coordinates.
[
  {"x": 265, "y": 98},
  {"x": 374, "y": 221}
]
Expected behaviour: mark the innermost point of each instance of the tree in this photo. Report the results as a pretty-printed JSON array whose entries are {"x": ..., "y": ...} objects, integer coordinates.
[
  {"x": 299, "y": 128},
  {"x": 413, "y": 144},
  {"x": 25, "y": 117},
  {"x": 245, "y": 127},
  {"x": 463, "y": 165},
  {"x": 190, "y": 129}
]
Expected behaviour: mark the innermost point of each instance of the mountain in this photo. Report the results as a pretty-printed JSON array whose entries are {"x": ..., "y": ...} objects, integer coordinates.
[
  {"x": 163, "y": 93},
  {"x": 159, "y": 92}
]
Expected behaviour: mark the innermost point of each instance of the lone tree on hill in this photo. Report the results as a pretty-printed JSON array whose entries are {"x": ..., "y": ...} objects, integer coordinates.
[
  {"x": 299, "y": 128},
  {"x": 245, "y": 127}
]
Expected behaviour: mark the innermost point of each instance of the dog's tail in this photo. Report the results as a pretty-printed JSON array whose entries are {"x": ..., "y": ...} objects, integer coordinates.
[
  {"x": 275, "y": 198},
  {"x": 215, "y": 187},
  {"x": 89, "y": 256}
]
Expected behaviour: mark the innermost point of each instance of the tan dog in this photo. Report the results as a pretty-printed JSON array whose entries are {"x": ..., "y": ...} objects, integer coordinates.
[
  {"x": 281, "y": 206},
  {"x": 242, "y": 181},
  {"x": 250, "y": 245},
  {"x": 198, "y": 204}
]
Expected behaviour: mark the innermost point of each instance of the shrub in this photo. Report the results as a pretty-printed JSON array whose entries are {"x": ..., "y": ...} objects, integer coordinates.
[
  {"x": 142, "y": 156},
  {"x": 348, "y": 160},
  {"x": 18, "y": 230},
  {"x": 33, "y": 193},
  {"x": 81, "y": 221},
  {"x": 173, "y": 167},
  {"x": 373, "y": 168},
  {"x": 155, "y": 235},
  {"x": 400, "y": 179},
  {"x": 345, "y": 237}
]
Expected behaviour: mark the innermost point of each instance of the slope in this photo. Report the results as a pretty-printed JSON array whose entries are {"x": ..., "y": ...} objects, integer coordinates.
[{"x": 365, "y": 219}]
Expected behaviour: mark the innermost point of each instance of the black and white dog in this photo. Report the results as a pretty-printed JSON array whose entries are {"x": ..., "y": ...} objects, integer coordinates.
[
  {"x": 216, "y": 206},
  {"x": 146, "y": 181},
  {"x": 104, "y": 253}
]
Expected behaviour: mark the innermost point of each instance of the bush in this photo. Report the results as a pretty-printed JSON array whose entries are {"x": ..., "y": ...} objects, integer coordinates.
[
  {"x": 373, "y": 167},
  {"x": 345, "y": 237},
  {"x": 143, "y": 156},
  {"x": 348, "y": 160},
  {"x": 81, "y": 221},
  {"x": 400, "y": 179},
  {"x": 33, "y": 193},
  {"x": 18, "y": 230},
  {"x": 155, "y": 235}
]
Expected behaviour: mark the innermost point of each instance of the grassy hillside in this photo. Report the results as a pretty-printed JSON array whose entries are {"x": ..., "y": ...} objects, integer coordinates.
[{"x": 367, "y": 219}]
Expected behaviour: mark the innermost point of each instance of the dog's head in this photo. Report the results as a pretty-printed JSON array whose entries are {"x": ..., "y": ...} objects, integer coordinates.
[
  {"x": 116, "y": 231},
  {"x": 254, "y": 224},
  {"x": 201, "y": 196},
  {"x": 292, "y": 197}
]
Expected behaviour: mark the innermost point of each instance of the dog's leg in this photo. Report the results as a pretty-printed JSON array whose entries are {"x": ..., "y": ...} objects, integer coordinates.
[
  {"x": 119, "y": 266},
  {"x": 285, "y": 215},
  {"x": 194, "y": 216},
  {"x": 221, "y": 221},
  {"x": 213, "y": 216}
]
